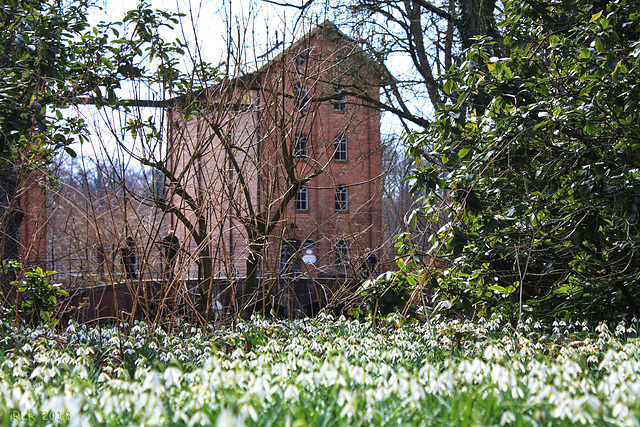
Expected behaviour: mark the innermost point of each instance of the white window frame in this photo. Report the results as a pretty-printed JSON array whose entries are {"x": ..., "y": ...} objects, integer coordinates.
[
  {"x": 298, "y": 151},
  {"x": 340, "y": 103},
  {"x": 342, "y": 198},
  {"x": 302, "y": 199},
  {"x": 340, "y": 149},
  {"x": 342, "y": 252}
]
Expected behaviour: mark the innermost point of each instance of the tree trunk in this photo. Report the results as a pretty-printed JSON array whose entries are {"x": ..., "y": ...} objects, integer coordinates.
[
  {"x": 205, "y": 284},
  {"x": 247, "y": 305},
  {"x": 10, "y": 215}
]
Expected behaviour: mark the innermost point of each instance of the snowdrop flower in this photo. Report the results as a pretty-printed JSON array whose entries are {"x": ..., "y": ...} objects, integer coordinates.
[
  {"x": 151, "y": 381},
  {"x": 537, "y": 325},
  {"x": 250, "y": 411},
  {"x": 172, "y": 377},
  {"x": 18, "y": 367},
  {"x": 347, "y": 401},
  {"x": 493, "y": 352},
  {"x": 228, "y": 419},
  {"x": 507, "y": 417},
  {"x": 291, "y": 392},
  {"x": 602, "y": 328}
]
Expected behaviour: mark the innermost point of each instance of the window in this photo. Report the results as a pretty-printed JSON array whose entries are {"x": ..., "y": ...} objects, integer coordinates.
[
  {"x": 342, "y": 252},
  {"x": 300, "y": 95},
  {"x": 300, "y": 145},
  {"x": 302, "y": 199},
  {"x": 301, "y": 60},
  {"x": 340, "y": 103},
  {"x": 339, "y": 62},
  {"x": 309, "y": 244},
  {"x": 340, "y": 146},
  {"x": 342, "y": 198}
]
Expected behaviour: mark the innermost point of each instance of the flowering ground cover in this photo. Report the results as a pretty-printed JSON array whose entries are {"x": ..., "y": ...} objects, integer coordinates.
[{"x": 323, "y": 372}]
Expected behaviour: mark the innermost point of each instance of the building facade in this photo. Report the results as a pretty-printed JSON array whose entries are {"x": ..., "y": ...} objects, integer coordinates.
[{"x": 284, "y": 162}]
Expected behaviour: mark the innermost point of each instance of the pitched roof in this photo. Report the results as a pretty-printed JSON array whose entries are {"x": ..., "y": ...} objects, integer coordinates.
[
  {"x": 330, "y": 30},
  {"x": 325, "y": 29}
]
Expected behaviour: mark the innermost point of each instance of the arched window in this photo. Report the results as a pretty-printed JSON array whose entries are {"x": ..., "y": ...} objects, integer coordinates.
[{"x": 302, "y": 199}]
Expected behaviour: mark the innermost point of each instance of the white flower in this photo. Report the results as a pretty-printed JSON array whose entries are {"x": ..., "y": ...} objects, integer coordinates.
[
  {"x": 291, "y": 392},
  {"x": 508, "y": 417},
  {"x": 151, "y": 381},
  {"x": 347, "y": 401},
  {"x": 620, "y": 411},
  {"x": 228, "y": 419},
  {"x": 199, "y": 418},
  {"x": 172, "y": 377},
  {"x": 493, "y": 352},
  {"x": 249, "y": 410}
]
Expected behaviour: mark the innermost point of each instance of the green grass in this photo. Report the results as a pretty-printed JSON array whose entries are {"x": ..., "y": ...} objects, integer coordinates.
[{"x": 323, "y": 372}]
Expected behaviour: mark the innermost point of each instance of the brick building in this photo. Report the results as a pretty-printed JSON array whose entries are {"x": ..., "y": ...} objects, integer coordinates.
[
  {"x": 294, "y": 145},
  {"x": 23, "y": 215}
]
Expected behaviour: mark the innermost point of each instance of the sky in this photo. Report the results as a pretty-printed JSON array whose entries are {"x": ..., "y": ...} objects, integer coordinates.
[
  {"x": 204, "y": 27},
  {"x": 205, "y": 30}
]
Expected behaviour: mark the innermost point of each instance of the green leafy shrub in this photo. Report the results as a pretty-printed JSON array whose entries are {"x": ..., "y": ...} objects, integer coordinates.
[
  {"x": 36, "y": 297},
  {"x": 540, "y": 187}
]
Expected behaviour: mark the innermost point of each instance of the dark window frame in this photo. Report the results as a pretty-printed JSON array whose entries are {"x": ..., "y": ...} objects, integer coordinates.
[{"x": 300, "y": 93}]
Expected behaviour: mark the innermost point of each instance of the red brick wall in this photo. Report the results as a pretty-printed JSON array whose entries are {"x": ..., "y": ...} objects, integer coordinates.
[
  {"x": 33, "y": 229},
  {"x": 278, "y": 119},
  {"x": 361, "y": 226}
]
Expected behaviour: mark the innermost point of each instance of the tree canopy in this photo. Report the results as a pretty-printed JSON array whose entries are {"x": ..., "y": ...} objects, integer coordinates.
[
  {"x": 541, "y": 188},
  {"x": 51, "y": 58}
]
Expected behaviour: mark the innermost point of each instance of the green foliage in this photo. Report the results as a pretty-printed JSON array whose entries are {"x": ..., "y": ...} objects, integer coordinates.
[
  {"x": 542, "y": 186},
  {"x": 384, "y": 295},
  {"x": 398, "y": 292},
  {"x": 36, "y": 298}
]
